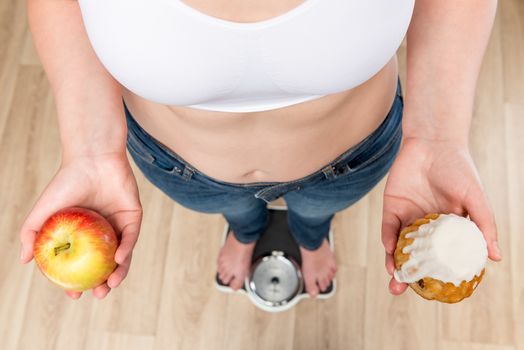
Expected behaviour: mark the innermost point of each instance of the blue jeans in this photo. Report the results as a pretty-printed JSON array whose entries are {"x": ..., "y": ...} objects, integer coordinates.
[{"x": 312, "y": 200}]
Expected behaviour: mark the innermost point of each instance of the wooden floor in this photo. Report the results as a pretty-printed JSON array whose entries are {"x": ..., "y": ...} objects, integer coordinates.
[{"x": 169, "y": 301}]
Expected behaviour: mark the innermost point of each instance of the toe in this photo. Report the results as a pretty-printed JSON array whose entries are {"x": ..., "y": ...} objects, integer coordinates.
[
  {"x": 221, "y": 269},
  {"x": 236, "y": 283},
  {"x": 226, "y": 278},
  {"x": 325, "y": 284},
  {"x": 321, "y": 285},
  {"x": 311, "y": 287}
]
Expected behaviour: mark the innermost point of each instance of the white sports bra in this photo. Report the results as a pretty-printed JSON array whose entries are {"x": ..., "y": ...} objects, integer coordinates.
[{"x": 170, "y": 53}]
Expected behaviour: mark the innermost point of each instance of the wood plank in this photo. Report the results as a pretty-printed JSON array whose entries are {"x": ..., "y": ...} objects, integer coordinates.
[
  {"x": 191, "y": 306},
  {"x": 13, "y": 25},
  {"x": 511, "y": 14},
  {"x": 393, "y": 322},
  {"x": 478, "y": 319},
  {"x": 101, "y": 340},
  {"x": 29, "y": 56},
  {"x": 450, "y": 345},
  {"x": 338, "y": 322},
  {"x": 25, "y": 168},
  {"x": 514, "y": 118},
  {"x": 140, "y": 292}
]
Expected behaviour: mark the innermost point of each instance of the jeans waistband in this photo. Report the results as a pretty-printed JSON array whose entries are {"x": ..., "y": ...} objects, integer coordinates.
[{"x": 335, "y": 168}]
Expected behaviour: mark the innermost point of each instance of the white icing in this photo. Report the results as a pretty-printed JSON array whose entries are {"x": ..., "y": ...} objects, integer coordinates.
[{"x": 450, "y": 249}]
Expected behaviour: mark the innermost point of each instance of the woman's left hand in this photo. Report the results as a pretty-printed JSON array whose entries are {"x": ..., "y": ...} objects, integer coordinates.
[{"x": 433, "y": 177}]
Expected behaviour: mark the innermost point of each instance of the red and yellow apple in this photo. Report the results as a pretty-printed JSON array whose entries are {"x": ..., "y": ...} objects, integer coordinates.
[{"x": 76, "y": 249}]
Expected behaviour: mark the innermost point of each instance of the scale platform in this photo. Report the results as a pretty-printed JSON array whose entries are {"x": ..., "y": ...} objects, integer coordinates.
[{"x": 275, "y": 267}]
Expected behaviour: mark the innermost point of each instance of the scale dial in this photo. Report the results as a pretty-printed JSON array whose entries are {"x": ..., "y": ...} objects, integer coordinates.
[{"x": 275, "y": 279}]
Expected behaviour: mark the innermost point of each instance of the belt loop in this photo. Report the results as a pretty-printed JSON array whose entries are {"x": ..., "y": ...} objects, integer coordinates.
[
  {"x": 328, "y": 171},
  {"x": 263, "y": 194},
  {"x": 188, "y": 173}
]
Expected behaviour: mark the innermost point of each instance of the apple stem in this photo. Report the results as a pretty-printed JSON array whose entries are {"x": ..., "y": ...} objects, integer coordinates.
[{"x": 62, "y": 247}]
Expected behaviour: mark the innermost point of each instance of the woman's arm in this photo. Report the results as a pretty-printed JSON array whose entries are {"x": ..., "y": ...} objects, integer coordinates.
[
  {"x": 87, "y": 97},
  {"x": 445, "y": 45},
  {"x": 95, "y": 172},
  {"x": 434, "y": 171}
]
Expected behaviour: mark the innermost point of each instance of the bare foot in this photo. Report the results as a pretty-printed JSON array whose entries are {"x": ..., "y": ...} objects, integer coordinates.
[
  {"x": 318, "y": 268},
  {"x": 234, "y": 260}
]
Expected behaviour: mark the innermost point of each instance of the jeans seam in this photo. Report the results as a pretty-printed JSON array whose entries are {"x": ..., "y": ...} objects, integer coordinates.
[
  {"x": 379, "y": 154},
  {"x": 138, "y": 149},
  {"x": 135, "y": 148}
]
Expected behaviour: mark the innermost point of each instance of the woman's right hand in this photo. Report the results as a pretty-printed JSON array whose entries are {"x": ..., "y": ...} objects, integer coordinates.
[{"x": 104, "y": 183}]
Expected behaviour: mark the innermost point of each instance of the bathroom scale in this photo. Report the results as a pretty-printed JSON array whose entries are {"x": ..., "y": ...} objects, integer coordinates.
[{"x": 274, "y": 282}]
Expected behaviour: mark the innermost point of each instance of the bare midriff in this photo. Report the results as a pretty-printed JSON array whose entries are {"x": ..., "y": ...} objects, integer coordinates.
[{"x": 281, "y": 144}]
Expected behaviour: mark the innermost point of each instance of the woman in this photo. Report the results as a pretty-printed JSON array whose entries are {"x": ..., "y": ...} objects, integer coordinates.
[{"x": 230, "y": 104}]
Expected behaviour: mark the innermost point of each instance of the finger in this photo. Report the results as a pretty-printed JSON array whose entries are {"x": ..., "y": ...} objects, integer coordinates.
[
  {"x": 390, "y": 228},
  {"x": 120, "y": 273},
  {"x": 397, "y": 288},
  {"x": 73, "y": 295},
  {"x": 390, "y": 264},
  {"x": 129, "y": 236},
  {"x": 460, "y": 211},
  {"x": 27, "y": 238},
  {"x": 480, "y": 212},
  {"x": 101, "y": 291},
  {"x": 48, "y": 204}
]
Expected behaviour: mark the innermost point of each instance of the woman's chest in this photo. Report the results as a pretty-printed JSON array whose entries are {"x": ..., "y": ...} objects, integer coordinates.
[{"x": 181, "y": 53}]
